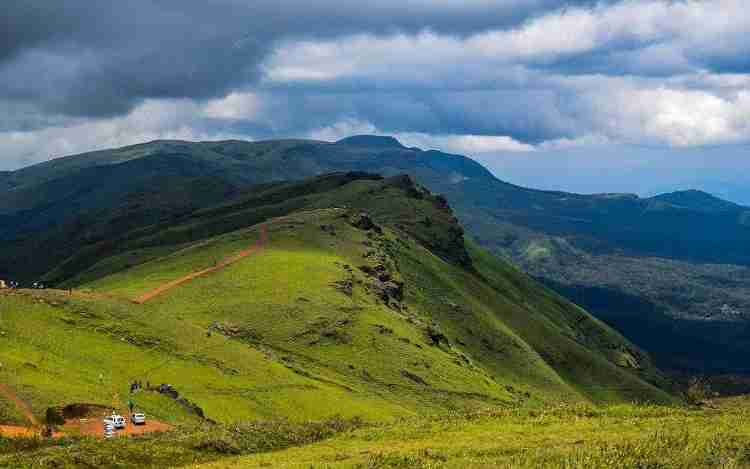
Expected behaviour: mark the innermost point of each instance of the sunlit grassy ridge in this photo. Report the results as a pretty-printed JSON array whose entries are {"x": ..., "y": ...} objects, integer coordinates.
[
  {"x": 332, "y": 316},
  {"x": 66, "y": 350}
]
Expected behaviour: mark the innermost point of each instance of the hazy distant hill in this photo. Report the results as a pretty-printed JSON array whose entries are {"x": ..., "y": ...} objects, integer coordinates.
[
  {"x": 671, "y": 271},
  {"x": 698, "y": 201}
]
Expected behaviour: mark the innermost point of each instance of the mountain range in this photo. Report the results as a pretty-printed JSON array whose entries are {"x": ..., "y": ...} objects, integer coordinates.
[{"x": 670, "y": 271}]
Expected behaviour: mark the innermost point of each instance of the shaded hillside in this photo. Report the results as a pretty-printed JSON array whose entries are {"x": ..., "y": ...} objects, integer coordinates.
[
  {"x": 439, "y": 231},
  {"x": 362, "y": 298},
  {"x": 589, "y": 247},
  {"x": 699, "y": 201}
]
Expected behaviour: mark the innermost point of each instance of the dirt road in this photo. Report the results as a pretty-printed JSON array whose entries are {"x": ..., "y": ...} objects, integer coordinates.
[
  {"x": 12, "y": 431},
  {"x": 9, "y": 394},
  {"x": 257, "y": 247},
  {"x": 84, "y": 427},
  {"x": 93, "y": 426}
]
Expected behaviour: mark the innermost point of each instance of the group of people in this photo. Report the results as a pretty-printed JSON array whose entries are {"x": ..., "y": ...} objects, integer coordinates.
[{"x": 138, "y": 385}]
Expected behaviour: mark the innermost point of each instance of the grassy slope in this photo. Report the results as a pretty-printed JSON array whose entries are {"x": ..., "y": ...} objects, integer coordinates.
[
  {"x": 622, "y": 437},
  {"x": 90, "y": 349},
  {"x": 287, "y": 341}
]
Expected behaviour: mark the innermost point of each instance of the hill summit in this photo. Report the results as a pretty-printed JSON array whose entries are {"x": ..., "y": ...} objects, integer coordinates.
[
  {"x": 696, "y": 200},
  {"x": 371, "y": 141}
]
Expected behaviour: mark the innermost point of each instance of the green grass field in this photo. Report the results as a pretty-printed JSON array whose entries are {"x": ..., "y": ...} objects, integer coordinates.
[
  {"x": 567, "y": 436},
  {"x": 564, "y": 437}
]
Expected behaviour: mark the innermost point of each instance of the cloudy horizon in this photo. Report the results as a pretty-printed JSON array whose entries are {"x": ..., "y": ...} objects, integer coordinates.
[{"x": 588, "y": 96}]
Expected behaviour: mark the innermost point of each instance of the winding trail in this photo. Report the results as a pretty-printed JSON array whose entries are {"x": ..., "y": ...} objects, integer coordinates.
[
  {"x": 256, "y": 248},
  {"x": 12, "y": 431},
  {"x": 8, "y": 393}
]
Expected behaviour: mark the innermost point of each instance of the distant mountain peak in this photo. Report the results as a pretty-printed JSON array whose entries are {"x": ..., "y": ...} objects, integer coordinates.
[
  {"x": 616, "y": 195},
  {"x": 692, "y": 193},
  {"x": 696, "y": 200},
  {"x": 371, "y": 141}
]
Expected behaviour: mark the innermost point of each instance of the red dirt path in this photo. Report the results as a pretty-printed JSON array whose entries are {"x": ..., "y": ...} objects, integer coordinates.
[
  {"x": 93, "y": 426},
  {"x": 257, "y": 247},
  {"x": 13, "y": 431},
  {"x": 6, "y": 391},
  {"x": 85, "y": 427}
]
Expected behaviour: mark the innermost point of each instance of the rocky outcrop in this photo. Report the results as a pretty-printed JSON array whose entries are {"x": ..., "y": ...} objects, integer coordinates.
[
  {"x": 363, "y": 221},
  {"x": 384, "y": 284}
]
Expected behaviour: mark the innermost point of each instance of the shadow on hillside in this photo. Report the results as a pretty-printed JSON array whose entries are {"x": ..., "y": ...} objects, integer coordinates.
[{"x": 711, "y": 347}]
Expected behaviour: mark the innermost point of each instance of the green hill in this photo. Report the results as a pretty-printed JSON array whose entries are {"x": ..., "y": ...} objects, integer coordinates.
[
  {"x": 620, "y": 256},
  {"x": 669, "y": 271},
  {"x": 333, "y": 311}
]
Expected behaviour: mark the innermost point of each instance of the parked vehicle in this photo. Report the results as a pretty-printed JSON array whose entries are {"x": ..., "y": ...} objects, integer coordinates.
[
  {"x": 117, "y": 421},
  {"x": 138, "y": 418}
]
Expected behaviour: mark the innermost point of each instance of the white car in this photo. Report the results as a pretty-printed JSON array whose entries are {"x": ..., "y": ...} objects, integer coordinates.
[
  {"x": 138, "y": 419},
  {"x": 117, "y": 421}
]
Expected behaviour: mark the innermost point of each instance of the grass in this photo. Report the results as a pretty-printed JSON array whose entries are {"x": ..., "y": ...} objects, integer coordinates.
[
  {"x": 182, "y": 447},
  {"x": 91, "y": 350},
  {"x": 578, "y": 436},
  {"x": 560, "y": 437}
]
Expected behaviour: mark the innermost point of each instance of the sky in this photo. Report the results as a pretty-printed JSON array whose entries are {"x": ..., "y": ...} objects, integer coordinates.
[{"x": 588, "y": 96}]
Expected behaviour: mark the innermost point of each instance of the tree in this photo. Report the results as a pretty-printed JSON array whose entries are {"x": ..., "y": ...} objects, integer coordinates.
[
  {"x": 698, "y": 390},
  {"x": 52, "y": 418}
]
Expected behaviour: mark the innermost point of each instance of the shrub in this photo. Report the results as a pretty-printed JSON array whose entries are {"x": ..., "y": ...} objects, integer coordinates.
[
  {"x": 53, "y": 417},
  {"x": 698, "y": 390}
]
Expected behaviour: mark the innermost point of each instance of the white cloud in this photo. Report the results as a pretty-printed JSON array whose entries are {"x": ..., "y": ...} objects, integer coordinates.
[
  {"x": 662, "y": 31},
  {"x": 568, "y": 143},
  {"x": 342, "y": 129},
  {"x": 237, "y": 105},
  {"x": 673, "y": 115},
  {"x": 151, "y": 120},
  {"x": 463, "y": 144},
  {"x": 676, "y": 100}
]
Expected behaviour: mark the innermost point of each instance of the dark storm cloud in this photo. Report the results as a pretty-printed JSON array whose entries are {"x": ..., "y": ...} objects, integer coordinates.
[
  {"x": 647, "y": 60},
  {"x": 453, "y": 112},
  {"x": 492, "y": 112},
  {"x": 86, "y": 58},
  {"x": 732, "y": 59}
]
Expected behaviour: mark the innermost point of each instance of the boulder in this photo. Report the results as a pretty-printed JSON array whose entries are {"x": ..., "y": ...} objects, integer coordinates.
[{"x": 363, "y": 221}]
